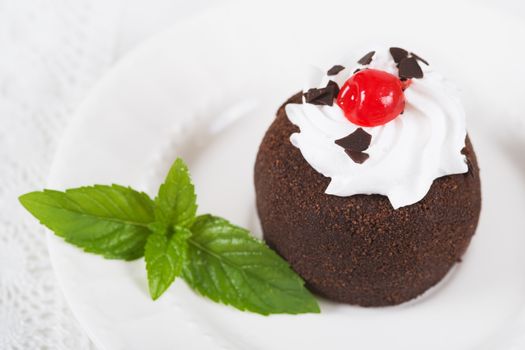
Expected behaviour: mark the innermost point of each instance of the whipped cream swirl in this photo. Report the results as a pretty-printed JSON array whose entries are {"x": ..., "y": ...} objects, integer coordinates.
[{"x": 406, "y": 155}]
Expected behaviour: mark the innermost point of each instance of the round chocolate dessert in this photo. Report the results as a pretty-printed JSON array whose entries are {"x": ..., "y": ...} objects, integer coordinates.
[{"x": 411, "y": 215}]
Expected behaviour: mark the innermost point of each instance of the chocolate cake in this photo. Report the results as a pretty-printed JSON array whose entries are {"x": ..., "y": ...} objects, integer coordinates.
[{"x": 369, "y": 249}]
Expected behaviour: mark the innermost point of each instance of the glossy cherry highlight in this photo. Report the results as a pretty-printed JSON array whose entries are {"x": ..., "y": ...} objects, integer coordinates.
[{"x": 372, "y": 97}]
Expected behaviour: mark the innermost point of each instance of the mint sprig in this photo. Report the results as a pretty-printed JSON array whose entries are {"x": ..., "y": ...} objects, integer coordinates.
[
  {"x": 229, "y": 265},
  {"x": 217, "y": 259},
  {"x": 108, "y": 220},
  {"x": 176, "y": 202},
  {"x": 165, "y": 256}
]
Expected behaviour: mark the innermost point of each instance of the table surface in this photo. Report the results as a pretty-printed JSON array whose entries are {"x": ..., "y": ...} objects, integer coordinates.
[{"x": 52, "y": 53}]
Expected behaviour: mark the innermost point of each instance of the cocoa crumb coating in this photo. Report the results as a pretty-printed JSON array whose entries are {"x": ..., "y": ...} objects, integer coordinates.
[{"x": 358, "y": 249}]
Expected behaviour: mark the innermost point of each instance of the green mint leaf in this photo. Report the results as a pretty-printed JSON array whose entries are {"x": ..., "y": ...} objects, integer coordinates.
[
  {"x": 228, "y": 265},
  {"x": 108, "y": 220},
  {"x": 175, "y": 204},
  {"x": 165, "y": 257}
]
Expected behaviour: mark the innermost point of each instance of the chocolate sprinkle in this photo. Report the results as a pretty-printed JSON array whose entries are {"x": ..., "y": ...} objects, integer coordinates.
[
  {"x": 419, "y": 58},
  {"x": 407, "y": 62},
  {"x": 398, "y": 54},
  {"x": 334, "y": 85},
  {"x": 335, "y": 69},
  {"x": 319, "y": 97},
  {"x": 409, "y": 68},
  {"x": 357, "y": 70},
  {"x": 366, "y": 59},
  {"x": 324, "y": 96},
  {"x": 357, "y": 141},
  {"x": 357, "y": 157}
]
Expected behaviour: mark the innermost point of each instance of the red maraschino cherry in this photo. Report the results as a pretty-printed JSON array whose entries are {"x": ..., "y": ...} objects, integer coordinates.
[{"x": 372, "y": 97}]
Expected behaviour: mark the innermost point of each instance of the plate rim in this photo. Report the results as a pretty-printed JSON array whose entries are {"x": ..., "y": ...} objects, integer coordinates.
[{"x": 106, "y": 79}]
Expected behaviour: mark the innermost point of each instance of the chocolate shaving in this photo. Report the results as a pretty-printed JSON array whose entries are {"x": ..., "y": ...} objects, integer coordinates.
[
  {"x": 409, "y": 68},
  {"x": 357, "y": 70},
  {"x": 398, "y": 54},
  {"x": 357, "y": 157},
  {"x": 323, "y": 96},
  {"x": 419, "y": 58},
  {"x": 334, "y": 85},
  {"x": 357, "y": 141},
  {"x": 366, "y": 59},
  {"x": 335, "y": 69},
  {"x": 407, "y": 62}
]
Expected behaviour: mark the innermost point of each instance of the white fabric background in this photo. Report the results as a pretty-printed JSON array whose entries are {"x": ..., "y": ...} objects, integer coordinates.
[{"x": 51, "y": 53}]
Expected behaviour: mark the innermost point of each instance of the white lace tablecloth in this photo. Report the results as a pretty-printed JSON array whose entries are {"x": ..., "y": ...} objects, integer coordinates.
[{"x": 51, "y": 53}]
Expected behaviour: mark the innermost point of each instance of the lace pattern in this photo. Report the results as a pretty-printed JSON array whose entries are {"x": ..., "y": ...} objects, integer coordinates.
[{"x": 52, "y": 53}]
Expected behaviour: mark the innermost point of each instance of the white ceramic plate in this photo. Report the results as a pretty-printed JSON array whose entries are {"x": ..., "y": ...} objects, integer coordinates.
[{"x": 208, "y": 89}]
